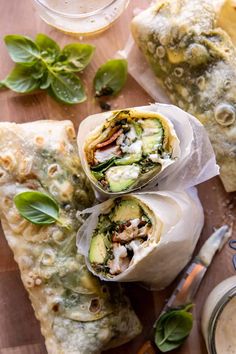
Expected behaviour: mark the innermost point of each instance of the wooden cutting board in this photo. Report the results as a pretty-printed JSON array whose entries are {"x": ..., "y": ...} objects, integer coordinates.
[{"x": 19, "y": 330}]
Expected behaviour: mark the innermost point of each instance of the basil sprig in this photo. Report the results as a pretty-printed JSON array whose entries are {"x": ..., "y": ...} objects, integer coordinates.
[
  {"x": 41, "y": 64},
  {"x": 110, "y": 77},
  {"x": 172, "y": 328},
  {"x": 37, "y": 207}
]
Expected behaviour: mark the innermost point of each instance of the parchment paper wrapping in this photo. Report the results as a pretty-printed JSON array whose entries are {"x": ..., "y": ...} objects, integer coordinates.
[
  {"x": 177, "y": 221},
  {"x": 195, "y": 164},
  {"x": 178, "y": 26}
]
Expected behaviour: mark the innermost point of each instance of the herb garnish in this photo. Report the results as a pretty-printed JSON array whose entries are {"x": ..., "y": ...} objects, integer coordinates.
[
  {"x": 38, "y": 208},
  {"x": 110, "y": 77},
  {"x": 172, "y": 328},
  {"x": 41, "y": 64}
]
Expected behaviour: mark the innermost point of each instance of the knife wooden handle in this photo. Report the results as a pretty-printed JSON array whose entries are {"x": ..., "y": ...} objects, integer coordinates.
[{"x": 147, "y": 348}]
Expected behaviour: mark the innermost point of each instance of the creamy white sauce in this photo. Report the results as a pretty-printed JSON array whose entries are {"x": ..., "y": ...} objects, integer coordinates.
[
  {"x": 225, "y": 335},
  {"x": 224, "y": 316}
]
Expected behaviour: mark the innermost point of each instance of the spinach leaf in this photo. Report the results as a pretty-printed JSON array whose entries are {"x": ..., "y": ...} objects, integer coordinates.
[
  {"x": 76, "y": 56},
  {"x": 37, "y": 207},
  {"x": 22, "y": 49},
  {"x": 110, "y": 77},
  {"x": 172, "y": 328},
  {"x": 103, "y": 166},
  {"x": 67, "y": 88},
  {"x": 98, "y": 175},
  {"x": 21, "y": 79}
]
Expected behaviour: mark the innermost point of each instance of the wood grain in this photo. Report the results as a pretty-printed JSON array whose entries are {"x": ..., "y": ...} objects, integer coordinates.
[{"x": 19, "y": 330}]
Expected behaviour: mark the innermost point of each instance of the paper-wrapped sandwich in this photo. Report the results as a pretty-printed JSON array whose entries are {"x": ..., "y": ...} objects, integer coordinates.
[
  {"x": 146, "y": 237},
  {"x": 157, "y": 146},
  {"x": 195, "y": 61},
  {"x": 42, "y": 186}
]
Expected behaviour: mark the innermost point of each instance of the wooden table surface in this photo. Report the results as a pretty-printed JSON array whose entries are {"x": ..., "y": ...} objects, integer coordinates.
[{"x": 19, "y": 330}]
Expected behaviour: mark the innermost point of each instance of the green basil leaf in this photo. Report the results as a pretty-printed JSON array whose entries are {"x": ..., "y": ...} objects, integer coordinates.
[
  {"x": 172, "y": 328},
  {"x": 47, "y": 44},
  {"x": 45, "y": 81},
  {"x": 38, "y": 70},
  {"x": 76, "y": 56},
  {"x": 22, "y": 49},
  {"x": 67, "y": 88},
  {"x": 37, "y": 207},
  {"x": 21, "y": 79},
  {"x": 110, "y": 77},
  {"x": 2, "y": 85},
  {"x": 178, "y": 326},
  {"x": 167, "y": 346}
]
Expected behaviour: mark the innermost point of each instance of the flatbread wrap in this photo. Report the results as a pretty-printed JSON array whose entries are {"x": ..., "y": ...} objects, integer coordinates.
[
  {"x": 150, "y": 147},
  {"x": 194, "y": 61},
  {"x": 77, "y": 313},
  {"x": 146, "y": 237}
]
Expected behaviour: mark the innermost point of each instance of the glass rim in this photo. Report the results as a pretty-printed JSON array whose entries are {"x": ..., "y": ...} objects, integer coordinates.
[
  {"x": 77, "y": 16},
  {"x": 215, "y": 316}
]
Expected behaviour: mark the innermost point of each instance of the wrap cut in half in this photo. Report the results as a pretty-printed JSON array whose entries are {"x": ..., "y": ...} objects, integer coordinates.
[
  {"x": 191, "y": 50},
  {"x": 146, "y": 237},
  {"x": 77, "y": 313},
  {"x": 152, "y": 147}
]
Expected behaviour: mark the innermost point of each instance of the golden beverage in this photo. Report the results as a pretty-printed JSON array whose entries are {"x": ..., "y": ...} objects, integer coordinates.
[{"x": 80, "y": 16}]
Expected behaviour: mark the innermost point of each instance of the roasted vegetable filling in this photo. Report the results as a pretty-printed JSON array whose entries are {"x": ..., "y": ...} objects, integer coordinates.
[
  {"x": 127, "y": 150},
  {"x": 118, "y": 235}
]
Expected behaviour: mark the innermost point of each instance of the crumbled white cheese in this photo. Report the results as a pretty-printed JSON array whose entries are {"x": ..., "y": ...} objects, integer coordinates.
[
  {"x": 155, "y": 158},
  {"x": 134, "y": 245},
  {"x": 116, "y": 173},
  {"x": 134, "y": 148},
  {"x": 131, "y": 135},
  {"x": 149, "y": 131},
  {"x": 120, "y": 139},
  {"x": 119, "y": 253}
]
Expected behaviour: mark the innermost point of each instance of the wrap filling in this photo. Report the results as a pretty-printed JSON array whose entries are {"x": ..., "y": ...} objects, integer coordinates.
[
  {"x": 118, "y": 235},
  {"x": 129, "y": 149}
]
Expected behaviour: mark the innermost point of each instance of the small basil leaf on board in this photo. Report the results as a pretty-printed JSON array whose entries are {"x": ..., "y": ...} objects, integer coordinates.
[
  {"x": 47, "y": 44},
  {"x": 167, "y": 346},
  {"x": 21, "y": 79},
  {"x": 67, "y": 88},
  {"x": 178, "y": 326},
  {"x": 172, "y": 328},
  {"x": 22, "y": 49},
  {"x": 110, "y": 77},
  {"x": 37, "y": 207},
  {"x": 77, "y": 56}
]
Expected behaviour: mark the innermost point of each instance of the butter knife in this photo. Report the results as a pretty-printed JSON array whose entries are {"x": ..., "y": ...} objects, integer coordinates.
[{"x": 189, "y": 284}]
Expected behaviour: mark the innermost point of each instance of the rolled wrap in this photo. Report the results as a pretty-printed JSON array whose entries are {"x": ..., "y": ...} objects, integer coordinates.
[
  {"x": 177, "y": 220},
  {"x": 193, "y": 60},
  {"x": 192, "y": 160},
  {"x": 76, "y": 313}
]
